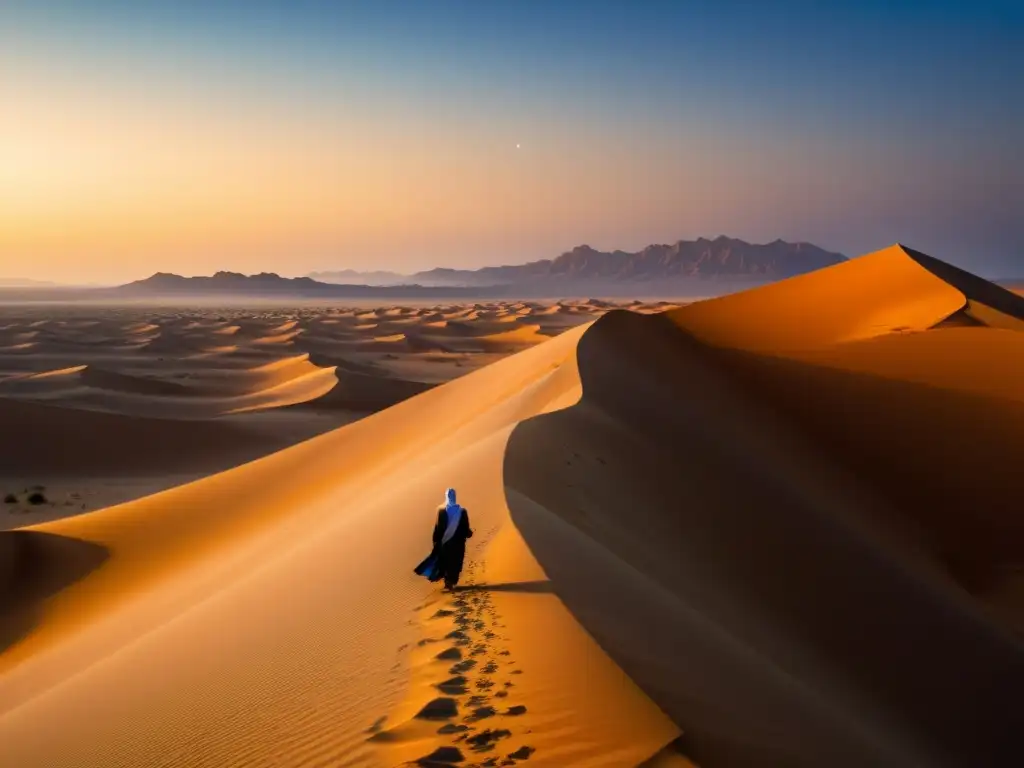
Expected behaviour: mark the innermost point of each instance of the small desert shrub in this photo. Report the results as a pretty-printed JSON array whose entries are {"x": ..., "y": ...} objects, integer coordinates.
[
  {"x": 10, "y": 498},
  {"x": 36, "y": 498}
]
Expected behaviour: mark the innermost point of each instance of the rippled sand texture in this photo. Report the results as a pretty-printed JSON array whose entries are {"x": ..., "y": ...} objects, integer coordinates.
[
  {"x": 779, "y": 528},
  {"x": 109, "y": 404}
]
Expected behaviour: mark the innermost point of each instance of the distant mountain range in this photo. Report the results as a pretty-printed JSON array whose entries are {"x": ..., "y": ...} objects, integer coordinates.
[
  {"x": 684, "y": 260},
  {"x": 355, "y": 277},
  {"x": 698, "y": 267},
  {"x": 269, "y": 285}
]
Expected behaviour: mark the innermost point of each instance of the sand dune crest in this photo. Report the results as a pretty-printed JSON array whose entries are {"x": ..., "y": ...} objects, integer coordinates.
[{"x": 696, "y": 543}]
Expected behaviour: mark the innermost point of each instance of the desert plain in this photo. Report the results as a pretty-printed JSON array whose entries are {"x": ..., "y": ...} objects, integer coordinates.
[
  {"x": 113, "y": 402},
  {"x": 776, "y": 528}
]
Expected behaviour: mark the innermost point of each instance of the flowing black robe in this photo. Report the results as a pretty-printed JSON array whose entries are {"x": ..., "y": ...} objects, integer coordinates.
[{"x": 451, "y": 554}]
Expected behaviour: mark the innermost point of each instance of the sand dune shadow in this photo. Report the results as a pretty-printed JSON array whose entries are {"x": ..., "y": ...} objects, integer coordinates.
[
  {"x": 34, "y": 566},
  {"x": 530, "y": 587},
  {"x": 757, "y": 550}
]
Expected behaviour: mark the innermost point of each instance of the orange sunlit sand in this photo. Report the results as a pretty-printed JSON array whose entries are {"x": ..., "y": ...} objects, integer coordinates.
[
  {"x": 179, "y": 394},
  {"x": 746, "y": 531}
]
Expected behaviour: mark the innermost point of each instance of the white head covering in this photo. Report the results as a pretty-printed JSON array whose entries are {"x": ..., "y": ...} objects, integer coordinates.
[{"x": 454, "y": 513}]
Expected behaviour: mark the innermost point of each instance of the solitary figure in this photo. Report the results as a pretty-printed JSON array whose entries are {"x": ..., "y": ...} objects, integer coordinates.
[{"x": 450, "y": 534}]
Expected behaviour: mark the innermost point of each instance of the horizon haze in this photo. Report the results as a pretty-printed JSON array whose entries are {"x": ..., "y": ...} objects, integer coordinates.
[{"x": 309, "y": 136}]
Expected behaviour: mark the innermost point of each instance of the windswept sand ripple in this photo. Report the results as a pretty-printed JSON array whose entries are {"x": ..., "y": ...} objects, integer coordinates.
[{"x": 779, "y": 528}]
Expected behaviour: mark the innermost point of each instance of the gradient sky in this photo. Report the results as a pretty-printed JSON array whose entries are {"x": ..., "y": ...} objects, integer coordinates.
[{"x": 294, "y": 136}]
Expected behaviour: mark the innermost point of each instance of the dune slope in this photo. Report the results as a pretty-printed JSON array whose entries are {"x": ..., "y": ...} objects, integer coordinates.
[
  {"x": 41, "y": 439},
  {"x": 210, "y": 367},
  {"x": 264, "y": 616},
  {"x": 773, "y": 529},
  {"x": 817, "y": 539},
  {"x": 780, "y": 628}
]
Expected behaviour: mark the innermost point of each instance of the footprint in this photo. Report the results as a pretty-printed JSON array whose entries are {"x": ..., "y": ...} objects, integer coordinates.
[
  {"x": 523, "y": 753},
  {"x": 490, "y": 668},
  {"x": 452, "y": 654},
  {"x": 439, "y": 709},
  {"x": 449, "y": 728},
  {"x": 378, "y": 725},
  {"x": 440, "y": 757},
  {"x": 485, "y": 740},
  {"x": 518, "y": 709},
  {"x": 462, "y": 666},
  {"x": 455, "y": 686},
  {"x": 482, "y": 713}
]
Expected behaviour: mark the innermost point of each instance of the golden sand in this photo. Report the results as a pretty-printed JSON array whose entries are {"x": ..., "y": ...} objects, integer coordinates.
[{"x": 778, "y": 528}]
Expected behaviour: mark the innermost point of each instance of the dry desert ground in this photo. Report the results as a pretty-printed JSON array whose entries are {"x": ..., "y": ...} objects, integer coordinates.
[
  {"x": 778, "y": 528},
  {"x": 110, "y": 403}
]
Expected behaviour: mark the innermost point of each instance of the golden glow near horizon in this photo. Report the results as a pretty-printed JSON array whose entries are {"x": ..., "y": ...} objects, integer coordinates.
[
  {"x": 297, "y": 137},
  {"x": 111, "y": 182}
]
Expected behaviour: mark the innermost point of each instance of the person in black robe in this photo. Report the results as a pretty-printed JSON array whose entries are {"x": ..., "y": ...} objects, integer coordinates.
[{"x": 450, "y": 534}]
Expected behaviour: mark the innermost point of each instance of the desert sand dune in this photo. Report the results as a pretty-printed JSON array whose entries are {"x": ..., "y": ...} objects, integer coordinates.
[
  {"x": 840, "y": 586},
  {"x": 497, "y": 338},
  {"x": 83, "y": 459},
  {"x": 82, "y": 379},
  {"x": 217, "y": 364},
  {"x": 275, "y": 373},
  {"x": 186, "y": 571},
  {"x": 284, "y": 327},
  {"x": 982, "y": 360},
  {"x": 366, "y": 393},
  {"x": 873, "y": 295},
  {"x": 282, "y": 338},
  {"x": 774, "y": 529},
  {"x": 760, "y": 597},
  {"x": 45, "y": 439},
  {"x": 523, "y": 334},
  {"x": 142, "y": 327},
  {"x": 215, "y": 351},
  {"x": 24, "y": 336},
  {"x": 983, "y": 314},
  {"x": 138, "y": 385},
  {"x": 21, "y": 348},
  {"x": 283, "y": 382}
]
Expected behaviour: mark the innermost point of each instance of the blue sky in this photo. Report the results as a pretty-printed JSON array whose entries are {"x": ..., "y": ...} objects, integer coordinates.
[{"x": 851, "y": 125}]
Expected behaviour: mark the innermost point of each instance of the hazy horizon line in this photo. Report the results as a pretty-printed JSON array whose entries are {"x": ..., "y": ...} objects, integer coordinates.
[{"x": 41, "y": 282}]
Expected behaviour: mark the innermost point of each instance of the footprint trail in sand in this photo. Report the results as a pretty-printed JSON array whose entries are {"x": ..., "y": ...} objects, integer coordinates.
[{"x": 477, "y": 706}]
